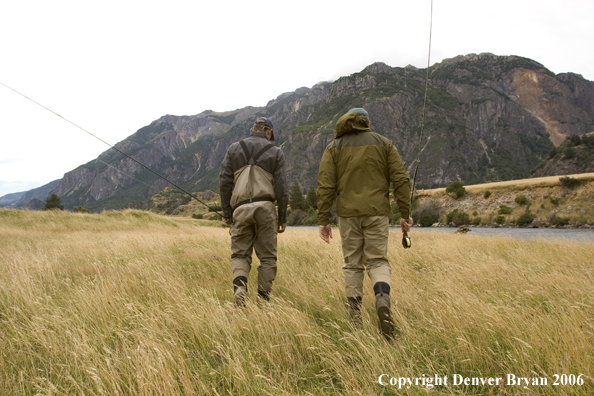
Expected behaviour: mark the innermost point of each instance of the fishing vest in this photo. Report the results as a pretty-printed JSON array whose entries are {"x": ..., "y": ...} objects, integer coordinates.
[{"x": 252, "y": 183}]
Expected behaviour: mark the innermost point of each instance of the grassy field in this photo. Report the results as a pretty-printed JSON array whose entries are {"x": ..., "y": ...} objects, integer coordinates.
[{"x": 132, "y": 303}]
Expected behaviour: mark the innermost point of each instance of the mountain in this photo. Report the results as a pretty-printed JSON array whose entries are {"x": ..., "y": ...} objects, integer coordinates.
[
  {"x": 575, "y": 155},
  {"x": 39, "y": 193},
  {"x": 488, "y": 118},
  {"x": 9, "y": 199}
]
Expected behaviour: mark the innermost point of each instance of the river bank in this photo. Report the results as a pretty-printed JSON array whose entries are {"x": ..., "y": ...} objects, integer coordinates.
[{"x": 546, "y": 202}]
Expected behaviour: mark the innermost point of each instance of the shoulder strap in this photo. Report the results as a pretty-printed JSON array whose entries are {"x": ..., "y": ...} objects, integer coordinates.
[
  {"x": 257, "y": 156},
  {"x": 248, "y": 157},
  {"x": 245, "y": 151}
]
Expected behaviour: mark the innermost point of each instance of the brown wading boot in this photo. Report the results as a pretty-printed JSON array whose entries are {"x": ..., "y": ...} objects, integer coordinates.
[
  {"x": 355, "y": 311},
  {"x": 382, "y": 306}
]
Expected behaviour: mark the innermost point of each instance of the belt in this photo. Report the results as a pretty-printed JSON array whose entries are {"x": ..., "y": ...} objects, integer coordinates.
[{"x": 247, "y": 201}]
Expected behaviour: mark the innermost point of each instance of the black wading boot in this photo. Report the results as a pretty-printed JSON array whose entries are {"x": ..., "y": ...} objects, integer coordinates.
[
  {"x": 240, "y": 291},
  {"x": 263, "y": 298},
  {"x": 382, "y": 306},
  {"x": 355, "y": 311}
]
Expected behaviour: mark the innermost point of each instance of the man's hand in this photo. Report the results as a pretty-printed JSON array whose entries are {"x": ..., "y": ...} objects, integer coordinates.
[
  {"x": 326, "y": 233},
  {"x": 281, "y": 227},
  {"x": 227, "y": 220},
  {"x": 405, "y": 225}
]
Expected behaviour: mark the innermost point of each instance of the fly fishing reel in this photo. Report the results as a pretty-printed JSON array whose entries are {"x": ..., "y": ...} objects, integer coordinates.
[{"x": 406, "y": 242}]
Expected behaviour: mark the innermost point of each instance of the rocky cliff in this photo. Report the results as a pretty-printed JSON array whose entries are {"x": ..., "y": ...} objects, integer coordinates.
[
  {"x": 575, "y": 155},
  {"x": 488, "y": 118}
]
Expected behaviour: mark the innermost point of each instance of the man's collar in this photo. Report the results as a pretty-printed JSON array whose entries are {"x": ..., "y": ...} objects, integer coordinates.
[{"x": 259, "y": 134}]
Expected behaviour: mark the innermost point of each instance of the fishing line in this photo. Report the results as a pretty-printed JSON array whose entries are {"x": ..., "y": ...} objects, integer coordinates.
[
  {"x": 116, "y": 149},
  {"x": 406, "y": 242},
  {"x": 122, "y": 172}
]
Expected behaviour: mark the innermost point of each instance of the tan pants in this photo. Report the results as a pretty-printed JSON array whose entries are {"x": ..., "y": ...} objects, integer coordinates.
[
  {"x": 364, "y": 247},
  {"x": 255, "y": 228}
]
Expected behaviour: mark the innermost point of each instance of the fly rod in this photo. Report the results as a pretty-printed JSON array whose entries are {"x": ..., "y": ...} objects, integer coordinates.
[{"x": 406, "y": 241}]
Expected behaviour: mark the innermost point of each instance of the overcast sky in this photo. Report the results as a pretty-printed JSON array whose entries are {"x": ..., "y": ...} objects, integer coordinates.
[{"x": 113, "y": 67}]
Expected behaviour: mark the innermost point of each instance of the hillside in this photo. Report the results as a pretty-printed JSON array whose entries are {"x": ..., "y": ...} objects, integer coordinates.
[
  {"x": 549, "y": 202},
  {"x": 575, "y": 155},
  {"x": 489, "y": 118}
]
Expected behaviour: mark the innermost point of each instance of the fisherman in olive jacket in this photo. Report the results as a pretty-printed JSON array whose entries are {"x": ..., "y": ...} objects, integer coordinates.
[
  {"x": 356, "y": 169},
  {"x": 252, "y": 177}
]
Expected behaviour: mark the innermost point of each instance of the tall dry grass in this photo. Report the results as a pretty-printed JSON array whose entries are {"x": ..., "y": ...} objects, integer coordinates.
[{"x": 139, "y": 304}]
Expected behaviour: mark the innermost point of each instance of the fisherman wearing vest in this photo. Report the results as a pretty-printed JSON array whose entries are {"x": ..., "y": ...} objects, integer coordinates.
[
  {"x": 252, "y": 177},
  {"x": 357, "y": 168}
]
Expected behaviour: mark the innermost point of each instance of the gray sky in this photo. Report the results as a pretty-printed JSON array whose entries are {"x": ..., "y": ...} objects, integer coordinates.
[{"x": 113, "y": 67}]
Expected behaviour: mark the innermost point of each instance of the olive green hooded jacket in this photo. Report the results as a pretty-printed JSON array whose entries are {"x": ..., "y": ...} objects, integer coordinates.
[{"x": 357, "y": 168}]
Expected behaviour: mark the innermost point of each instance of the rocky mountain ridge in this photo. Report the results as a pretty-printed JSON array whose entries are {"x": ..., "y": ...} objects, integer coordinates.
[{"x": 488, "y": 118}]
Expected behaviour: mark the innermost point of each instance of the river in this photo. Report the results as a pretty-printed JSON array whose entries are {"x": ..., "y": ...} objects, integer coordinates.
[{"x": 576, "y": 234}]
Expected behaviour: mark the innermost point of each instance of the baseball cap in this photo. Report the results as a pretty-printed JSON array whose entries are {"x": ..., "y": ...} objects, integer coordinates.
[{"x": 268, "y": 124}]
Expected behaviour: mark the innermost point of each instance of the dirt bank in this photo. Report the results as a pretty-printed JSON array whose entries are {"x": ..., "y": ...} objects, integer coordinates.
[{"x": 550, "y": 203}]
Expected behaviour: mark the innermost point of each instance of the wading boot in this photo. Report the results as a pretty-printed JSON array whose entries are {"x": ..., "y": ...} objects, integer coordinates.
[
  {"x": 382, "y": 306},
  {"x": 263, "y": 299},
  {"x": 240, "y": 291},
  {"x": 355, "y": 311},
  {"x": 240, "y": 297}
]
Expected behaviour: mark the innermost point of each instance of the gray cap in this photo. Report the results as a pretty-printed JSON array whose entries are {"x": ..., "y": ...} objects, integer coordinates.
[{"x": 359, "y": 110}]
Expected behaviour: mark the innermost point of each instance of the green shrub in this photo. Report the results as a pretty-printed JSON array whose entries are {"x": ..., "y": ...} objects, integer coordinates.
[
  {"x": 197, "y": 216},
  {"x": 559, "y": 220},
  {"x": 312, "y": 198},
  {"x": 215, "y": 208},
  {"x": 296, "y": 199},
  {"x": 569, "y": 182},
  {"x": 487, "y": 194},
  {"x": 526, "y": 218},
  {"x": 53, "y": 203},
  {"x": 503, "y": 210},
  {"x": 475, "y": 213},
  {"x": 456, "y": 189},
  {"x": 476, "y": 221},
  {"x": 428, "y": 214},
  {"x": 542, "y": 206},
  {"x": 80, "y": 209},
  {"x": 500, "y": 219},
  {"x": 312, "y": 218},
  {"x": 521, "y": 200},
  {"x": 427, "y": 218},
  {"x": 457, "y": 218},
  {"x": 568, "y": 153},
  {"x": 555, "y": 201}
]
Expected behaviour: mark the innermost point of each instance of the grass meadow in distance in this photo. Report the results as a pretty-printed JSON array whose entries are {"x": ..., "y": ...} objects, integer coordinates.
[{"x": 133, "y": 303}]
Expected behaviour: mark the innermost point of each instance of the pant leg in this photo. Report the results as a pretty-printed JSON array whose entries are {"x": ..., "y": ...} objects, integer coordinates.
[
  {"x": 265, "y": 244},
  {"x": 242, "y": 240},
  {"x": 375, "y": 231},
  {"x": 352, "y": 241}
]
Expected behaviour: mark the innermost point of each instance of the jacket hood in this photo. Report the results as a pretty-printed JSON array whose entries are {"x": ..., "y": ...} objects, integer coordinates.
[{"x": 351, "y": 123}]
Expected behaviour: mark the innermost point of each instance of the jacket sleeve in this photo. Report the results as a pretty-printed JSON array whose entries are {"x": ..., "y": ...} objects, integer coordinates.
[
  {"x": 327, "y": 184},
  {"x": 226, "y": 184},
  {"x": 280, "y": 187},
  {"x": 400, "y": 181}
]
